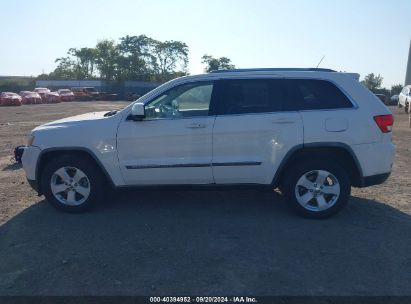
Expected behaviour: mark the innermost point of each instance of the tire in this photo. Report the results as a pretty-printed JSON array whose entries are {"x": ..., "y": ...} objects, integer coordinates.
[
  {"x": 406, "y": 108},
  {"x": 321, "y": 204},
  {"x": 83, "y": 178}
]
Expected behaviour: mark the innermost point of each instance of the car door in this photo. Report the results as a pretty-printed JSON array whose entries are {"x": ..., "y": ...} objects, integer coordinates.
[
  {"x": 172, "y": 144},
  {"x": 254, "y": 130}
]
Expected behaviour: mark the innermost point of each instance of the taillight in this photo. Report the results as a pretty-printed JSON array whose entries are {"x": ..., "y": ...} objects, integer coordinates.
[{"x": 384, "y": 122}]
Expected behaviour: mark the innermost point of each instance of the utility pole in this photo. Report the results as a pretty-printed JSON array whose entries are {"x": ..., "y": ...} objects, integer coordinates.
[
  {"x": 408, "y": 81},
  {"x": 408, "y": 73}
]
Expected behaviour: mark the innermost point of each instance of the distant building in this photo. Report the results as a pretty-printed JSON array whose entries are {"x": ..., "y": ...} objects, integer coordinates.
[{"x": 408, "y": 74}]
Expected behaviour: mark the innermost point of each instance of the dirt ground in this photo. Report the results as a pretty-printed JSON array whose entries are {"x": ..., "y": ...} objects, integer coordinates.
[{"x": 199, "y": 242}]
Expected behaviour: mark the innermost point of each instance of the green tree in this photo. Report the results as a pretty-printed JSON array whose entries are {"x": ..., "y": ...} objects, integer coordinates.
[
  {"x": 137, "y": 60},
  {"x": 214, "y": 64},
  {"x": 85, "y": 62},
  {"x": 396, "y": 89},
  {"x": 64, "y": 70},
  {"x": 372, "y": 82},
  {"x": 133, "y": 58},
  {"x": 107, "y": 57},
  {"x": 171, "y": 59}
]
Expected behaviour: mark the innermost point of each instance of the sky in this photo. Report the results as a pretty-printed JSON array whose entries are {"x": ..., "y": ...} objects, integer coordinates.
[{"x": 361, "y": 36}]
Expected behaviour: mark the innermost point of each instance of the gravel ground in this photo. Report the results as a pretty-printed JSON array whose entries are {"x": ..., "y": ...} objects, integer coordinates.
[{"x": 199, "y": 242}]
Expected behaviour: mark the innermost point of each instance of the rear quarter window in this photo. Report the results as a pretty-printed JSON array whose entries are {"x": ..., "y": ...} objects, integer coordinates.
[{"x": 311, "y": 94}]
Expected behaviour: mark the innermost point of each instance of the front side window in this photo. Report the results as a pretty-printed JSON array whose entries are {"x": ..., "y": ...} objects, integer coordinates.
[
  {"x": 186, "y": 100},
  {"x": 311, "y": 94}
]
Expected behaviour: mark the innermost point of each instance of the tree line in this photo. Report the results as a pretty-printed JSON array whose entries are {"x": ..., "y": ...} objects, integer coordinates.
[
  {"x": 374, "y": 84},
  {"x": 133, "y": 58},
  {"x": 142, "y": 58}
]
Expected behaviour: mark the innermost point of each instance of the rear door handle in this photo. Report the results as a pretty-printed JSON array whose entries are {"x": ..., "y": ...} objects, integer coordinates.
[
  {"x": 196, "y": 125},
  {"x": 284, "y": 121}
]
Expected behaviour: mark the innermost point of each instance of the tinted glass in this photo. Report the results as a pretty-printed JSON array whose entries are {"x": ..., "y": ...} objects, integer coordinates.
[
  {"x": 313, "y": 94},
  {"x": 249, "y": 96}
]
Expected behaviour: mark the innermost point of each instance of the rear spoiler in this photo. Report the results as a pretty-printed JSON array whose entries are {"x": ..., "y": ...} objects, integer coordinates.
[{"x": 356, "y": 76}]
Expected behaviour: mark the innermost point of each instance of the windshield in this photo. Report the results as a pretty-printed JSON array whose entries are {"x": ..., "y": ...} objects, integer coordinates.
[
  {"x": 64, "y": 91},
  {"x": 90, "y": 89}
]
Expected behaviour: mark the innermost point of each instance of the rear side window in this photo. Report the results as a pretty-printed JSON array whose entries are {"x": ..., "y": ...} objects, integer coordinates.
[
  {"x": 311, "y": 94},
  {"x": 243, "y": 96}
]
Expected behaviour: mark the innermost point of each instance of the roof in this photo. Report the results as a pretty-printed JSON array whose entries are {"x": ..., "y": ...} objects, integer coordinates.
[{"x": 275, "y": 70}]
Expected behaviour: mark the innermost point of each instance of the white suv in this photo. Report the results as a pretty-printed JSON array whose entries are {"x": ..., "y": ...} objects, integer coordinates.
[
  {"x": 313, "y": 133},
  {"x": 404, "y": 98}
]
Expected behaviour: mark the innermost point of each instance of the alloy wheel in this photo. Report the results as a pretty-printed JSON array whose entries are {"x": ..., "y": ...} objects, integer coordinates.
[
  {"x": 70, "y": 186},
  {"x": 317, "y": 190}
]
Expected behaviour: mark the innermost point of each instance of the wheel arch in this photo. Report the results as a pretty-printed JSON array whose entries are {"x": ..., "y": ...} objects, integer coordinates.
[
  {"x": 48, "y": 154},
  {"x": 338, "y": 151}
]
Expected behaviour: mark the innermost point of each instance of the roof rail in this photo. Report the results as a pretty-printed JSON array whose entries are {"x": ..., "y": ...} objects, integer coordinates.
[{"x": 275, "y": 70}]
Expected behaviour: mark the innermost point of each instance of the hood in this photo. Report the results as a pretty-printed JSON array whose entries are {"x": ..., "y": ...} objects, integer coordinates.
[{"x": 72, "y": 121}]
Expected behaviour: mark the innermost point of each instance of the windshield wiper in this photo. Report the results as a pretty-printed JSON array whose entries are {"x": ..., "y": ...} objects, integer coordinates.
[{"x": 111, "y": 113}]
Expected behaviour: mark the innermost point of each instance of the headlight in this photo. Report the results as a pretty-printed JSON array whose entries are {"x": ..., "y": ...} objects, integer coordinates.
[{"x": 30, "y": 140}]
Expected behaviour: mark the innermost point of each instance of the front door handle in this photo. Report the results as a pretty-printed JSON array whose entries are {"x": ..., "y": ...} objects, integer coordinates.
[{"x": 196, "y": 125}]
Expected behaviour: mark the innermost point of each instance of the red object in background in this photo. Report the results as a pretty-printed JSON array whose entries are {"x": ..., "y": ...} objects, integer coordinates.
[
  {"x": 42, "y": 92},
  {"x": 28, "y": 97},
  {"x": 66, "y": 95},
  {"x": 51, "y": 97},
  {"x": 10, "y": 99}
]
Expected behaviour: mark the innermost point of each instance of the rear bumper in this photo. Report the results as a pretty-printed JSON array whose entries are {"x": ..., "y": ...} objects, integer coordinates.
[
  {"x": 374, "y": 179},
  {"x": 375, "y": 158}
]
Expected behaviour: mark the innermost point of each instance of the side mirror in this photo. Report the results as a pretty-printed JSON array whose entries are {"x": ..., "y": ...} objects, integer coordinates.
[{"x": 138, "y": 111}]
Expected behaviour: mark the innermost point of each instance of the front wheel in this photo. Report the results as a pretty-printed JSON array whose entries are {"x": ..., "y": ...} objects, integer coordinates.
[
  {"x": 72, "y": 184},
  {"x": 317, "y": 189}
]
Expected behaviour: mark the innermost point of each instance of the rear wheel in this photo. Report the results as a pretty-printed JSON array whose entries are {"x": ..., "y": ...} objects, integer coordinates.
[
  {"x": 317, "y": 189},
  {"x": 72, "y": 184},
  {"x": 406, "y": 107}
]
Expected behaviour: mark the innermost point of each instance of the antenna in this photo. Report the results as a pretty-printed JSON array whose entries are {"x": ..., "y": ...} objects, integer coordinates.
[{"x": 320, "y": 61}]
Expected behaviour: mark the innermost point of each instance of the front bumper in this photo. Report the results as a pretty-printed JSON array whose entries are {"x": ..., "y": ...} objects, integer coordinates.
[
  {"x": 29, "y": 160},
  {"x": 35, "y": 185}
]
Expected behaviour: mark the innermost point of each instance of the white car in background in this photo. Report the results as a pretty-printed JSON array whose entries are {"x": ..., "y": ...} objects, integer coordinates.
[
  {"x": 314, "y": 133},
  {"x": 404, "y": 99}
]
